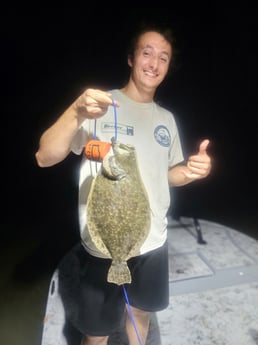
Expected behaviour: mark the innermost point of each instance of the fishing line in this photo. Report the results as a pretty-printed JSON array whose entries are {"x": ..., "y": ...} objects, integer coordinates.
[
  {"x": 115, "y": 118},
  {"x": 95, "y": 130},
  {"x": 93, "y": 152},
  {"x": 115, "y": 123},
  {"x": 124, "y": 289},
  {"x": 96, "y": 150},
  {"x": 131, "y": 315}
]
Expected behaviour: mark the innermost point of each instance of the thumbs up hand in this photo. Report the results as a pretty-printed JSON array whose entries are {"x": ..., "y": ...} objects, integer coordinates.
[{"x": 199, "y": 165}]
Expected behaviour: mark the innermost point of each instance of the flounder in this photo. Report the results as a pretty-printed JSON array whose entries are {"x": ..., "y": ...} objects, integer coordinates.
[{"x": 118, "y": 210}]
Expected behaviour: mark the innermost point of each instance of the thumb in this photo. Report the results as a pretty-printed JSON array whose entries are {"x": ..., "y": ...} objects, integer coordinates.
[{"x": 203, "y": 147}]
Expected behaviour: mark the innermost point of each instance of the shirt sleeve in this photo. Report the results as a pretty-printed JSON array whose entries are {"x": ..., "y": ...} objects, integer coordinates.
[
  {"x": 176, "y": 155},
  {"x": 79, "y": 141}
]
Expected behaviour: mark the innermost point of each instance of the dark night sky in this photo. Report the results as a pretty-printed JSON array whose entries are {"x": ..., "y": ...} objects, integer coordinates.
[{"x": 50, "y": 56}]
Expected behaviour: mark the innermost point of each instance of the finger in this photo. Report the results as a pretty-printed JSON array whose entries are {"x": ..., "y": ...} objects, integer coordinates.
[
  {"x": 203, "y": 147},
  {"x": 192, "y": 175},
  {"x": 102, "y": 97},
  {"x": 201, "y": 159}
]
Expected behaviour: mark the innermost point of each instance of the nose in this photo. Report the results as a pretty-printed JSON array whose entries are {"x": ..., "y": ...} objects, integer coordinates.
[{"x": 153, "y": 62}]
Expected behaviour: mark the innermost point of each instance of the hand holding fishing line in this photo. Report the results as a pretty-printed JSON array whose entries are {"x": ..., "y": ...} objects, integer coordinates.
[{"x": 94, "y": 103}]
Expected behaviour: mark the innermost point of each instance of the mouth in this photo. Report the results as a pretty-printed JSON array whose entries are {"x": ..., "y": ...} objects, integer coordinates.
[{"x": 150, "y": 74}]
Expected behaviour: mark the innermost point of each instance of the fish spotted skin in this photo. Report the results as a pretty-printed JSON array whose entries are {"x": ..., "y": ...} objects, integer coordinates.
[{"x": 118, "y": 211}]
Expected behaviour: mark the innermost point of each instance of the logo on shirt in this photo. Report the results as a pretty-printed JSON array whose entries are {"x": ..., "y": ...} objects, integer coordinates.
[
  {"x": 162, "y": 136},
  {"x": 108, "y": 127}
]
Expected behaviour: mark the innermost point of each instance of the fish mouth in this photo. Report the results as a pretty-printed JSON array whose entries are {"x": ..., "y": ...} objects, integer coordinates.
[
  {"x": 120, "y": 147},
  {"x": 111, "y": 166}
]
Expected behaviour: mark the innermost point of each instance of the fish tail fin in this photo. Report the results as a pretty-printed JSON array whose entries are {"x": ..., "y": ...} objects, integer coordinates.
[{"x": 119, "y": 273}]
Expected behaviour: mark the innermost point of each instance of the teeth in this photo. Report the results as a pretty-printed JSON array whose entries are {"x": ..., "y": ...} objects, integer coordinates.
[{"x": 151, "y": 74}]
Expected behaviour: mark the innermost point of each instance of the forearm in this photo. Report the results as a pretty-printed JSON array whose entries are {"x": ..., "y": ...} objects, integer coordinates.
[{"x": 55, "y": 142}]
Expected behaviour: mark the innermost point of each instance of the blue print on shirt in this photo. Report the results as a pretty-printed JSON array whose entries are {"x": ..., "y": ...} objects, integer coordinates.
[
  {"x": 162, "y": 136},
  {"x": 108, "y": 127}
]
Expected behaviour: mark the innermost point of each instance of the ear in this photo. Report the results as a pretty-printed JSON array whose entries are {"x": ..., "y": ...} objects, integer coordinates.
[{"x": 129, "y": 61}]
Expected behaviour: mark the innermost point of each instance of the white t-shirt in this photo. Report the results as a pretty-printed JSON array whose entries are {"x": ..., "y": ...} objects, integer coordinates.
[{"x": 153, "y": 132}]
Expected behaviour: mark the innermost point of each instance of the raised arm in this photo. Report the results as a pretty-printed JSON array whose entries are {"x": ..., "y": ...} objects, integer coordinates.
[{"x": 55, "y": 142}]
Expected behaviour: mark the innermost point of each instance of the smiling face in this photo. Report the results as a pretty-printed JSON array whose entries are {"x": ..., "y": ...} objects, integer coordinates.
[{"x": 151, "y": 61}]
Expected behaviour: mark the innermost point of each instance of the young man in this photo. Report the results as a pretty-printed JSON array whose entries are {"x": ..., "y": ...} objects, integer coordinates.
[{"x": 98, "y": 306}]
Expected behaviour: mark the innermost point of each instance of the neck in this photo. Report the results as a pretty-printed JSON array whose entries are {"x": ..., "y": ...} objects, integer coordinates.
[{"x": 138, "y": 94}]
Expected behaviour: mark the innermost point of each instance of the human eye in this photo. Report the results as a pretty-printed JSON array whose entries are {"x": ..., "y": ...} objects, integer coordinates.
[
  {"x": 164, "y": 59},
  {"x": 146, "y": 53}
]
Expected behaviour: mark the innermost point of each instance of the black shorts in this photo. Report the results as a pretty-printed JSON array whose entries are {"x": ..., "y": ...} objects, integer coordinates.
[{"x": 97, "y": 307}]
